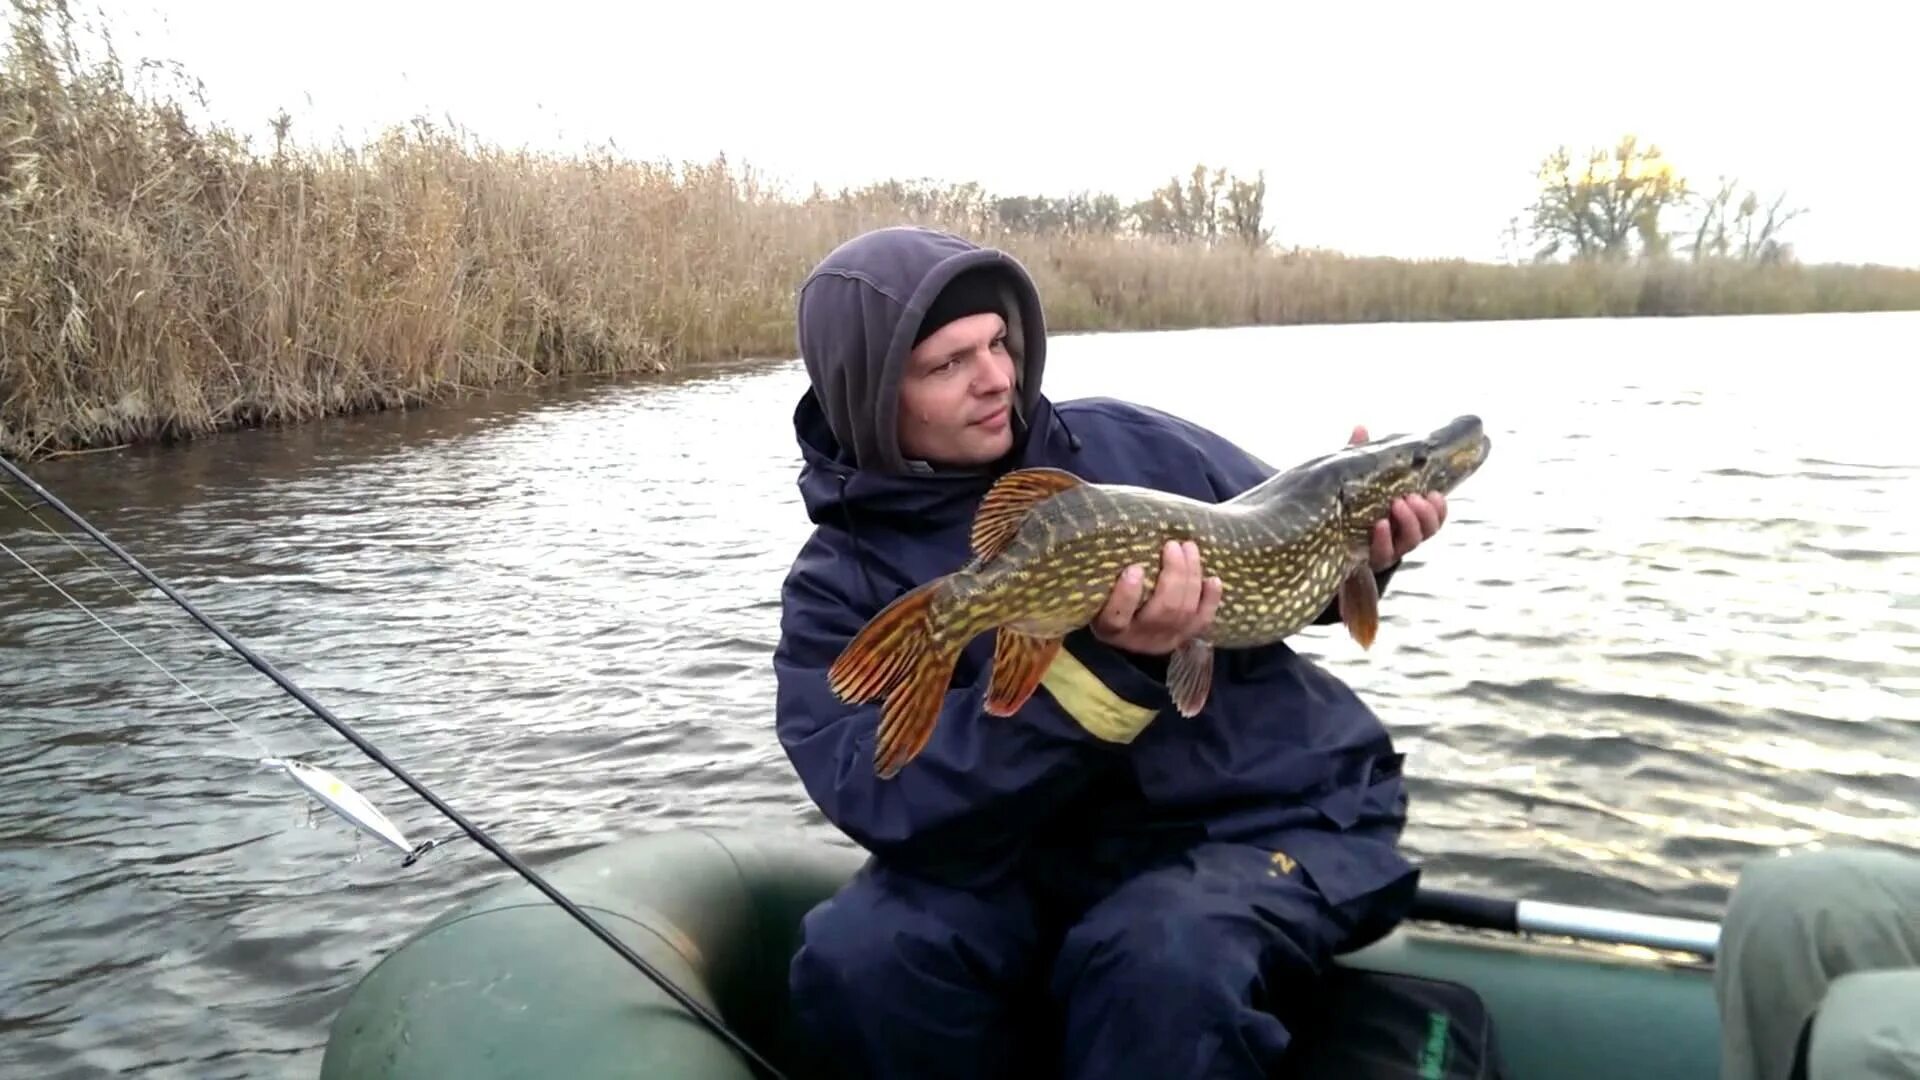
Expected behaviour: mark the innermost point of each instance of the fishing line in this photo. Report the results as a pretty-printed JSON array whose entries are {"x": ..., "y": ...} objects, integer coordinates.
[
  {"x": 336, "y": 794},
  {"x": 478, "y": 835},
  {"x": 330, "y": 790},
  {"x": 73, "y": 547},
  {"x": 265, "y": 750}
]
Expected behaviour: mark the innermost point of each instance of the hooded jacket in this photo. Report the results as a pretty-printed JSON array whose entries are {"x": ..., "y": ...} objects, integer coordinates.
[{"x": 1283, "y": 754}]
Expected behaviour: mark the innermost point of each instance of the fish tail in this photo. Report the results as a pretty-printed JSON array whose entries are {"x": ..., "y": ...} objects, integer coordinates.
[{"x": 897, "y": 656}]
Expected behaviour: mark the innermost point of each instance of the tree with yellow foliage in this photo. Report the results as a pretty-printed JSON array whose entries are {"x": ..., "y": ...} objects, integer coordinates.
[{"x": 1606, "y": 205}]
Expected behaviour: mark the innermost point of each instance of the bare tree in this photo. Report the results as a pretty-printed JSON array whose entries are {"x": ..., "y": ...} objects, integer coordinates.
[{"x": 1741, "y": 233}]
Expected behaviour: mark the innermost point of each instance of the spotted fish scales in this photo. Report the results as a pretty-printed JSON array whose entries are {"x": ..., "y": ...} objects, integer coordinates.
[{"x": 1048, "y": 548}]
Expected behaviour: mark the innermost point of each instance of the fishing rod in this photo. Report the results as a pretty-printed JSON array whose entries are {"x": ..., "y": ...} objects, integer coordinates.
[
  {"x": 344, "y": 800},
  {"x": 1568, "y": 920}
]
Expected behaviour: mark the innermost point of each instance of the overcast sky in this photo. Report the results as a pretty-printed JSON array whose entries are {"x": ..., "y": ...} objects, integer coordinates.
[{"x": 1405, "y": 128}]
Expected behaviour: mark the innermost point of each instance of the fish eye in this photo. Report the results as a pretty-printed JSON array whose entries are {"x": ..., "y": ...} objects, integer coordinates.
[{"x": 1420, "y": 459}]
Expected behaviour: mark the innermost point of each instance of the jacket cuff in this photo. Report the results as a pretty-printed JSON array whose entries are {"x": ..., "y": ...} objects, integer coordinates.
[
  {"x": 1141, "y": 680},
  {"x": 1090, "y": 704}
]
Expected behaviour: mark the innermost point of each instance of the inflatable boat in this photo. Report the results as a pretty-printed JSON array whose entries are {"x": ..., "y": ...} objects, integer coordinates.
[{"x": 511, "y": 984}]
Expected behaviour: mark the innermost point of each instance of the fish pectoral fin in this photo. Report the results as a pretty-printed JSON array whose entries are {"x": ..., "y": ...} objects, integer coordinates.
[
  {"x": 1360, "y": 605},
  {"x": 1190, "y": 675},
  {"x": 1019, "y": 660},
  {"x": 1006, "y": 504}
]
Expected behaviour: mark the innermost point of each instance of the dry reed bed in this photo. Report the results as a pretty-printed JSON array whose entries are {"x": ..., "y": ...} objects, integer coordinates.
[{"x": 160, "y": 280}]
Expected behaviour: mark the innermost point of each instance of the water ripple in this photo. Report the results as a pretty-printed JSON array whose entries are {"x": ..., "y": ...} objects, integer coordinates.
[{"x": 1670, "y": 628}]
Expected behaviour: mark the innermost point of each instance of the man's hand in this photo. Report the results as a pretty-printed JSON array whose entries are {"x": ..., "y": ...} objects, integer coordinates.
[
  {"x": 1180, "y": 609},
  {"x": 1411, "y": 521}
]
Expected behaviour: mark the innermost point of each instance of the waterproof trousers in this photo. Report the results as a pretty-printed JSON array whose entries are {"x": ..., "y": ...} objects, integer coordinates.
[
  {"x": 1186, "y": 969},
  {"x": 1818, "y": 973}
]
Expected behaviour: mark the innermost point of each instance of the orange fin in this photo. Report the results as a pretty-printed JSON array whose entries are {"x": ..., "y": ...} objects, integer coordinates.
[
  {"x": 1360, "y": 605},
  {"x": 1005, "y": 506},
  {"x": 1018, "y": 662},
  {"x": 1190, "y": 675},
  {"x": 911, "y": 711},
  {"x": 895, "y": 656}
]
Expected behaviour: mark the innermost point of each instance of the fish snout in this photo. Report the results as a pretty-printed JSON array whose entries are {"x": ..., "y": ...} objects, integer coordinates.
[{"x": 1455, "y": 452}]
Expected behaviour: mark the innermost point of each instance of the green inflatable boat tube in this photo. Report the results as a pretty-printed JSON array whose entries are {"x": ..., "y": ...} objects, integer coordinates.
[{"x": 510, "y": 985}]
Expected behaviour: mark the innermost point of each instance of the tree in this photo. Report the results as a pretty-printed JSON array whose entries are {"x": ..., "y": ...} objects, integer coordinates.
[
  {"x": 1079, "y": 214},
  {"x": 1743, "y": 234},
  {"x": 1246, "y": 211},
  {"x": 1206, "y": 207},
  {"x": 1598, "y": 207}
]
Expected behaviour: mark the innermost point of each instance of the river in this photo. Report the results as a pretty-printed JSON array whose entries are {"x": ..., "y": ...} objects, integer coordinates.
[{"x": 1672, "y": 625}]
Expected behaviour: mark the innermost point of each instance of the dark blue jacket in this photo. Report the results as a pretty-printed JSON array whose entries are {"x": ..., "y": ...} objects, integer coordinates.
[
  {"x": 1282, "y": 751},
  {"x": 1284, "y": 755}
]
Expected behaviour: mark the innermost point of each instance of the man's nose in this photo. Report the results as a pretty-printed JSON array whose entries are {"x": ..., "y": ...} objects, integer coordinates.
[{"x": 993, "y": 377}]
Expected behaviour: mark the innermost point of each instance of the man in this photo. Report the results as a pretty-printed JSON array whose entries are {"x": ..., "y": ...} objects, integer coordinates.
[
  {"x": 1095, "y": 887},
  {"x": 1818, "y": 973}
]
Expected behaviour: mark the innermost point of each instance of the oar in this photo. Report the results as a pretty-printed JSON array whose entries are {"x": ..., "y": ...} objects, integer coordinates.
[{"x": 1568, "y": 920}]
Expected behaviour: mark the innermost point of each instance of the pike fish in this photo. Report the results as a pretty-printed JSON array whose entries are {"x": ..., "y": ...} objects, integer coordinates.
[{"x": 1048, "y": 549}]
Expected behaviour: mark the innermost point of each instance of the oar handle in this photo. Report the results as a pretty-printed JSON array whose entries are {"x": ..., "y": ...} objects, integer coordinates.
[
  {"x": 1696, "y": 936},
  {"x": 1467, "y": 909}
]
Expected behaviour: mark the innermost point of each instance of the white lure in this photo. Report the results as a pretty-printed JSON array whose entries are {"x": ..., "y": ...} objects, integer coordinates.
[{"x": 343, "y": 800}]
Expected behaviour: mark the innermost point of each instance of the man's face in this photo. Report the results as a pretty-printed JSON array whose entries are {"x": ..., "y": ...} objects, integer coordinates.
[{"x": 956, "y": 395}]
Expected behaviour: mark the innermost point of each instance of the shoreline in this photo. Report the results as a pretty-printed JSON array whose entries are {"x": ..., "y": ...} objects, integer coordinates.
[
  {"x": 162, "y": 281},
  {"x": 70, "y": 439}
]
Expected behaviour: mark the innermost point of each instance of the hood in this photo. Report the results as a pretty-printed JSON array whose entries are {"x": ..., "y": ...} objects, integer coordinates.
[
  {"x": 833, "y": 489},
  {"x": 858, "y": 313}
]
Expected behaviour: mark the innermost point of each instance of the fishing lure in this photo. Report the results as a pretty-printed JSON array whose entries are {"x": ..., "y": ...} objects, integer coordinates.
[
  {"x": 335, "y": 793},
  {"x": 340, "y": 797}
]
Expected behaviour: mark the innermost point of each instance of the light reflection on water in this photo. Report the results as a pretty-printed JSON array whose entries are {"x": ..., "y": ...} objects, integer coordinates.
[{"x": 1675, "y": 623}]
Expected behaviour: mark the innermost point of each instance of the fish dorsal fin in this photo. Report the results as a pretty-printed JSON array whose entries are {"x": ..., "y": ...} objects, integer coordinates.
[{"x": 1006, "y": 506}]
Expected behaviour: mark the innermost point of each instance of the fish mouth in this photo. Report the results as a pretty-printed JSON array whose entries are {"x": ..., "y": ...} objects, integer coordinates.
[
  {"x": 1457, "y": 451},
  {"x": 1461, "y": 431}
]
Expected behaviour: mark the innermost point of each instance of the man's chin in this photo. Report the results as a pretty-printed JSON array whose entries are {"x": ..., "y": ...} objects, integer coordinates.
[{"x": 990, "y": 446}]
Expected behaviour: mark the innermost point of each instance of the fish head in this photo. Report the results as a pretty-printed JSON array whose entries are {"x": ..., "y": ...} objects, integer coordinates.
[{"x": 1373, "y": 474}]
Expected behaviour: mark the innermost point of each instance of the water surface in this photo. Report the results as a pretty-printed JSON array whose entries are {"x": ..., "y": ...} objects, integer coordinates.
[{"x": 1673, "y": 625}]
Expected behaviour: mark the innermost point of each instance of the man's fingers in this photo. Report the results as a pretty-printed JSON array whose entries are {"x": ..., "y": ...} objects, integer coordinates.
[
  {"x": 1125, "y": 600},
  {"x": 1178, "y": 590},
  {"x": 1195, "y": 581},
  {"x": 1406, "y": 527},
  {"x": 1383, "y": 555},
  {"x": 1210, "y": 593},
  {"x": 1163, "y": 587},
  {"x": 1359, "y": 435},
  {"x": 1182, "y": 606},
  {"x": 1427, "y": 512}
]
